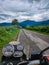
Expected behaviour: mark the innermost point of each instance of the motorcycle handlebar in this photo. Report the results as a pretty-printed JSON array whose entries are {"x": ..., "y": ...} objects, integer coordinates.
[{"x": 44, "y": 50}]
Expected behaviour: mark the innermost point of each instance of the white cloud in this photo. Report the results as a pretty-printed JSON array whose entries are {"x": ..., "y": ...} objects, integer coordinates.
[
  {"x": 24, "y": 9},
  {"x": 41, "y": 16}
]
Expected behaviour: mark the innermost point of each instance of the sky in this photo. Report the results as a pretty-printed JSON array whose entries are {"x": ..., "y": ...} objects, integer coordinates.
[{"x": 37, "y": 10}]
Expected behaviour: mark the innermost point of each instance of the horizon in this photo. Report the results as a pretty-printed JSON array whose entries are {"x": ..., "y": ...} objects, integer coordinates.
[{"x": 26, "y": 20}]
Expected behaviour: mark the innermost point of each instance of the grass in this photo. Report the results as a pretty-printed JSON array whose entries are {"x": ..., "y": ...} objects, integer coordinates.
[
  {"x": 7, "y": 34},
  {"x": 40, "y": 29}
]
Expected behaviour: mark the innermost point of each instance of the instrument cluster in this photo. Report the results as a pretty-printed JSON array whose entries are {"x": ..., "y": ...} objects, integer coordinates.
[{"x": 9, "y": 50}]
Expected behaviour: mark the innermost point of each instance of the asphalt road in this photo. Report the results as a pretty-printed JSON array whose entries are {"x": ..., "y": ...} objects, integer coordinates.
[
  {"x": 42, "y": 36},
  {"x": 33, "y": 42}
]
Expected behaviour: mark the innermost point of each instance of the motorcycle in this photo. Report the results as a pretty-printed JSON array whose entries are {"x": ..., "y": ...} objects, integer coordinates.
[{"x": 14, "y": 55}]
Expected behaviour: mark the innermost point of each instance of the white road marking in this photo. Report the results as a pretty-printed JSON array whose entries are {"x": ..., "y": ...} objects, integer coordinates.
[
  {"x": 18, "y": 37},
  {"x": 15, "y": 42}
]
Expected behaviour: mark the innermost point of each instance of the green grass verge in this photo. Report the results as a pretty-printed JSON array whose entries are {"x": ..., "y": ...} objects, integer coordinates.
[
  {"x": 40, "y": 29},
  {"x": 7, "y": 34}
]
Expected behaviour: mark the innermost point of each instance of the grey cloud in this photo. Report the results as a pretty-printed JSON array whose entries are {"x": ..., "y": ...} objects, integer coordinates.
[
  {"x": 24, "y": 8},
  {"x": 2, "y": 18},
  {"x": 31, "y": 1}
]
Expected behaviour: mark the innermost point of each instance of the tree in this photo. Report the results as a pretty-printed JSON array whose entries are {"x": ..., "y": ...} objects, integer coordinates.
[{"x": 15, "y": 22}]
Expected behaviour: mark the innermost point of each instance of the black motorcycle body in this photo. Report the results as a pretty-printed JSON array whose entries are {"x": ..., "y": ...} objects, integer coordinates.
[{"x": 35, "y": 59}]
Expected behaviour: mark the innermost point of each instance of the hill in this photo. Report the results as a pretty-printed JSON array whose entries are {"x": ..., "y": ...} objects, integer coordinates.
[
  {"x": 5, "y": 24},
  {"x": 33, "y": 23},
  {"x": 28, "y": 23}
]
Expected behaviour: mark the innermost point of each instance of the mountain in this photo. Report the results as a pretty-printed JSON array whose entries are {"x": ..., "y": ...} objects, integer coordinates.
[
  {"x": 5, "y": 24},
  {"x": 28, "y": 23},
  {"x": 46, "y": 22},
  {"x": 33, "y": 23}
]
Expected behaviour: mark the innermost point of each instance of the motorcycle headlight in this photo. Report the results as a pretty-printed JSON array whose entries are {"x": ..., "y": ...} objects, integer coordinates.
[
  {"x": 19, "y": 47},
  {"x": 8, "y": 50},
  {"x": 18, "y": 54}
]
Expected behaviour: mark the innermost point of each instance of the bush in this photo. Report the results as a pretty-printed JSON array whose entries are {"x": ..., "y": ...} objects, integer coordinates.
[{"x": 43, "y": 29}]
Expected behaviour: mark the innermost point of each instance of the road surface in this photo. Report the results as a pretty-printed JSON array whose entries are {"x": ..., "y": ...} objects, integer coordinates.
[{"x": 33, "y": 41}]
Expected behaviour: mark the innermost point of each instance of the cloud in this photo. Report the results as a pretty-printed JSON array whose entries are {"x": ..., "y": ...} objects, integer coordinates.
[{"x": 37, "y": 10}]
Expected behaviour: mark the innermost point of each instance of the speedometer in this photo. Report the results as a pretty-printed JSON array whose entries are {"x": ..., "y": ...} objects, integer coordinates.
[
  {"x": 18, "y": 54},
  {"x": 8, "y": 50},
  {"x": 19, "y": 47}
]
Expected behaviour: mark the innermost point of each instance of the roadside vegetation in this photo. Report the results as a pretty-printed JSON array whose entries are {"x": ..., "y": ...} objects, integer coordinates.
[
  {"x": 40, "y": 29},
  {"x": 7, "y": 34}
]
